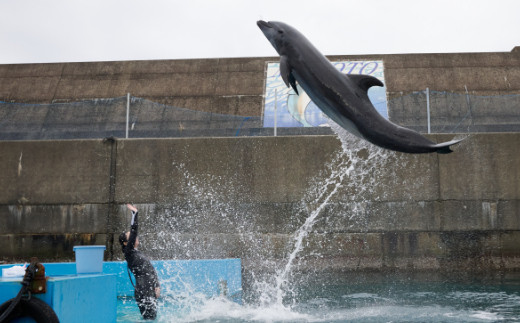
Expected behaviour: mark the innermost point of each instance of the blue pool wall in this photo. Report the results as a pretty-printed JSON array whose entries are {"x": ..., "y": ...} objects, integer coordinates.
[
  {"x": 72, "y": 297},
  {"x": 211, "y": 277}
]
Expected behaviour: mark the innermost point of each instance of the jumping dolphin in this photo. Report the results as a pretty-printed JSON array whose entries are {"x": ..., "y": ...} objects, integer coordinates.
[{"x": 342, "y": 97}]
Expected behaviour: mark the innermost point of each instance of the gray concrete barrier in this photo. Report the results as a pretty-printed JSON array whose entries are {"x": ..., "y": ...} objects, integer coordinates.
[{"x": 246, "y": 198}]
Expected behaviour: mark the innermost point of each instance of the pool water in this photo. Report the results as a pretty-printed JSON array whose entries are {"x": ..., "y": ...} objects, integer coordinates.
[{"x": 354, "y": 298}]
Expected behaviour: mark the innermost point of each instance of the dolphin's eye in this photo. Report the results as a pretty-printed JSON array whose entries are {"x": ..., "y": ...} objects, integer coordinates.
[{"x": 280, "y": 31}]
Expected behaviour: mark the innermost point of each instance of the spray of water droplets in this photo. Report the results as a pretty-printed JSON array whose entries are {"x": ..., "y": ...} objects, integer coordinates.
[
  {"x": 348, "y": 179},
  {"x": 355, "y": 169}
]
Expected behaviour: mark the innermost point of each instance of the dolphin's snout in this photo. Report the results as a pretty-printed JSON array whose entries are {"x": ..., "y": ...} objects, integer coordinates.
[{"x": 263, "y": 24}]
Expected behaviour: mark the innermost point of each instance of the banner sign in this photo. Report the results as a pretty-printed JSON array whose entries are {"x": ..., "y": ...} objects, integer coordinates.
[{"x": 294, "y": 110}]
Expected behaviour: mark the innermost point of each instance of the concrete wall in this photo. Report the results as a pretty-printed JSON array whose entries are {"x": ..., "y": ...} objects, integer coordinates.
[
  {"x": 246, "y": 197},
  {"x": 236, "y": 85},
  {"x": 230, "y": 86}
]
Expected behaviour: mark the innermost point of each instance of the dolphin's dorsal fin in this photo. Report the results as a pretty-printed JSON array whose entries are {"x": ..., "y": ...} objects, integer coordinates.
[
  {"x": 365, "y": 81},
  {"x": 285, "y": 71}
]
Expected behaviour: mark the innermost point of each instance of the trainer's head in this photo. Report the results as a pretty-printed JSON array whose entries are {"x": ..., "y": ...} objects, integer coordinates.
[{"x": 123, "y": 240}]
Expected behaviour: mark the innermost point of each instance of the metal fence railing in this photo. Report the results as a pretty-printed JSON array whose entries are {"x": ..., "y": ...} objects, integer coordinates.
[
  {"x": 445, "y": 112},
  {"x": 438, "y": 112}
]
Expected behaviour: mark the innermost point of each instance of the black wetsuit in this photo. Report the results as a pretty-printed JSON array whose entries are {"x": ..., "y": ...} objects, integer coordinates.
[{"x": 144, "y": 273}]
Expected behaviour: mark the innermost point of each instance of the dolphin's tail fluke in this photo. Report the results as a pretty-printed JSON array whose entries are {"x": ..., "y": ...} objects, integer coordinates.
[{"x": 444, "y": 148}]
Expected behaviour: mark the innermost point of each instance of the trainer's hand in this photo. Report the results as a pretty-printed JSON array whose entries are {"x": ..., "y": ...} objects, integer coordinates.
[
  {"x": 157, "y": 292},
  {"x": 131, "y": 207}
]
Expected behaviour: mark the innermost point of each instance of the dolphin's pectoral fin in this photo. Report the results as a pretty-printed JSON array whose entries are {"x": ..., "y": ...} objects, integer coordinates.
[
  {"x": 285, "y": 71},
  {"x": 292, "y": 80},
  {"x": 365, "y": 81}
]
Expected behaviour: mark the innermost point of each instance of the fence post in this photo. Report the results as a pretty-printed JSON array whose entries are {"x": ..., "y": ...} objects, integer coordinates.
[
  {"x": 469, "y": 107},
  {"x": 428, "y": 107},
  {"x": 275, "y": 102},
  {"x": 127, "y": 113}
]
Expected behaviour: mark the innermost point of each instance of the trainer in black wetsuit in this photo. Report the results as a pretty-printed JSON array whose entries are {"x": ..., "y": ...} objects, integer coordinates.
[{"x": 147, "y": 288}]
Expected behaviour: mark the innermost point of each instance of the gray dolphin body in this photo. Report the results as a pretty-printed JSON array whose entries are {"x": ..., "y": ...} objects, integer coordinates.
[{"x": 342, "y": 97}]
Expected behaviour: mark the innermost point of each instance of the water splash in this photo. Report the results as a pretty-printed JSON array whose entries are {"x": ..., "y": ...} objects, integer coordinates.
[
  {"x": 352, "y": 174},
  {"x": 352, "y": 178},
  {"x": 354, "y": 168}
]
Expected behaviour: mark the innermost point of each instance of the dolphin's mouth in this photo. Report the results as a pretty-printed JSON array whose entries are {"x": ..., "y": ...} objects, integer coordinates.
[{"x": 264, "y": 24}]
